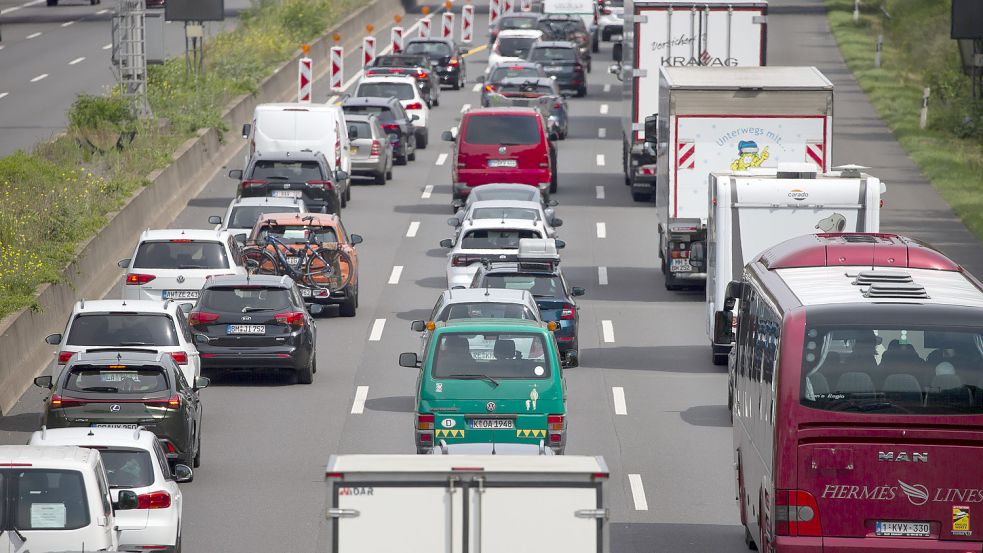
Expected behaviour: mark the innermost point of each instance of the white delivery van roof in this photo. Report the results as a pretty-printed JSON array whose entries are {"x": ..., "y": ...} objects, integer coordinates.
[
  {"x": 736, "y": 78},
  {"x": 48, "y": 457},
  {"x": 503, "y": 464}
]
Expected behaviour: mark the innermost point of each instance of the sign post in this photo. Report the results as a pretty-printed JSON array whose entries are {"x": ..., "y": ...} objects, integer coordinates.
[
  {"x": 467, "y": 23},
  {"x": 368, "y": 51},
  {"x": 493, "y": 12}
]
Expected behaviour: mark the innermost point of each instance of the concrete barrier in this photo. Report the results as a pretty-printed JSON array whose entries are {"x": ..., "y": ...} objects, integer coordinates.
[{"x": 93, "y": 273}]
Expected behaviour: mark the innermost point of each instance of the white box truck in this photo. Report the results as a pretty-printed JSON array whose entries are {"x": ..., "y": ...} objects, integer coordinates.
[
  {"x": 581, "y": 8},
  {"x": 677, "y": 33},
  {"x": 750, "y": 211},
  {"x": 465, "y": 504},
  {"x": 720, "y": 118}
]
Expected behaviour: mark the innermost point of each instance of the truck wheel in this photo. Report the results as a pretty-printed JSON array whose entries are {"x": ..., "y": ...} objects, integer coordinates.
[{"x": 641, "y": 196}]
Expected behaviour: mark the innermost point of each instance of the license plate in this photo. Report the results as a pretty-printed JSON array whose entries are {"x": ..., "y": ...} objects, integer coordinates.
[
  {"x": 913, "y": 529},
  {"x": 502, "y": 163},
  {"x": 305, "y": 292},
  {"x": 286, "y": 193},
  {"x": 617, "y": 38},
  {"x": 681, "y": 266},
  {"x": 180, "y": 294},
  {"x": 246, "y": 329},
  {"x": 118, "y": 425},
  {"x": 506, "y": 424},
  {"x": 554, "y": 69},
  {"x": 353, "y": 150},
  {"x": 293, "y": 261}
]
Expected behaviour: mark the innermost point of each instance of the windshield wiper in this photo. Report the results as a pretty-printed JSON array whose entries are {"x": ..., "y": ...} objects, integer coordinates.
[
  {"x": 484, "y": 377},
  {"x": 135, "y": 344},
  {"x": 190, "y": 266},
  {"x": 868, "y": 406},
  {"x": 101, "y": 389},
  {"x": 250, "y": 309},
  {"x": 22, "y": 537},
  {"x": 277, "y": 177}
]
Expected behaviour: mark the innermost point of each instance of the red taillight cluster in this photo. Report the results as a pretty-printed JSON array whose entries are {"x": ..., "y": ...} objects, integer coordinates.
[
  {"x": 64, "y": 356},
  {"x": 425, "y": 423},
  {"x": 138, "y": 279},
  {"x": 376, "y": 148},
  {"x": 422, "y": 75},
  {"x": 568, "y": 312},
  {"x": 173, "y": 402},
  {"x": 390, "y": 127},
  {"x": 555, "y": 425},
  {"x": 796, "y": 514},
  {"x": 325, "y": 184},
  {"x": 154, "y": 500},
  {"x": 489, "y": 88},
  {"x": 453, "y": 62},
  {"x": 464, "y": 260},
  {"x": 58, "y": 401},
  {"x": 414, "y": 105},
  {"x": 249, "y": 183},
  {"x": 200, "y": 318},
  {"x": 180, "y": 357},
  {"x": 292, "y": 318}
]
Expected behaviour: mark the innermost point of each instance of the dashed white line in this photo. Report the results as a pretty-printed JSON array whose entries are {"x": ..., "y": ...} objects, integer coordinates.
[
  {"x": 476, "y": 87},
  {"x": 600, "y": 160},
  {"x": 394, "y": 276},
  {"x": 107, "y": 46},
  {"x": 4, "y": 94},
  {"x": 67, "y": 24},
  {"x": 441, "y": 159},
  {"x": 411, "y": 231},
  {"x": 376, "y": 334},
  {"x": 602, "y": 230},
  {"x": 76, "y": 60},
  {"x": 602, "y": 276},
  {"x": 620, "y": 406},
  {"x": 39, "y": 77},
  {"x": 638, "y": 492},
  {"x": 32, "y": 35},
  {"x": 465, "y": 107},
  {"x": 600, "y": 192},
  {"x": 607, "y": 87},
  {"x": 8, "y": 10},
  {"x": 607, "y": 331},
  {"x": 427, "y": 191},
  {"x": 2, "y": 46},
  {"x": 358, "y": 406},
  {"x": 15, "y": 8},
  {"x": 100, "y": 12},
  {"x": 602, "y": 132},
  {"x": 604, "y": 109}
]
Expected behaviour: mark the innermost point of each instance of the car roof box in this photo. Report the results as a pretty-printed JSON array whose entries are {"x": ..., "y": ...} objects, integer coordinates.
[{"x": 541, "y": 250}]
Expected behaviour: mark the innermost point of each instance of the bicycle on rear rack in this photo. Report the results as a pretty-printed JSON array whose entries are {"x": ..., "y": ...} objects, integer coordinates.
[{"x": 314, "y": 265}]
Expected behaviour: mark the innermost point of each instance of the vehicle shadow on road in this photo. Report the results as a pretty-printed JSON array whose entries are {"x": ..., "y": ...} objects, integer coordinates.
[
  {"x": 707, "y": 415},
  {"x": 438, "y": 283},
  {"x": 635, "y": 284},
  {"x": 23, "y": 422},
  {"x": 425, "y": 209},
  {"x": 675, "y": 359},
  {"x": 392, "y": 404},
  {"x": 650, "y": 537},
  {"x": 437, "y": 252},
  {"x": 414, "y": 315},
  {"x": 254, "y": 378},
  {"x": 217, "y": 203}
]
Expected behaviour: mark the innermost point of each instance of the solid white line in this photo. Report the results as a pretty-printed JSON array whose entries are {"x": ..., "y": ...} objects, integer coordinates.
[
  {"x": 620, "y": 406},
  {"x": 602, "y": 230},
  {"x": 361, "y": 392},
  {"x": 394, "y": 276},
  {"x": 32, "y": 35},
  {"x": 427, "y": 191},
  {"x": 476, "y": 87},
  {"x": 600, "y": 192},
  {"x": 376, "y": 334},
  {"x": 602, "y": 276},
  {"x": 441, "y": 159},
  {"x": 4, "y": 94},
  {"x": 100, "y": 12},
  {"x": 39, "y": 77},
  {"x": 108, "y": 46},
  {"x": 411, "y": 231},
  {"x": 607, "y": 87},
  {"x": 465, "y": 107},
  {"x": 638, "y": 492},
  {"x": 600, "y": 160},
  {"x": 67, "y": 23},
  {"x": 76, "y": 60},
  {"x": 8, "y": 10},
  {"x": 602, "y": 132},
  {"x": 607, "y": 330},
  {"x": 604, "y": 109}
]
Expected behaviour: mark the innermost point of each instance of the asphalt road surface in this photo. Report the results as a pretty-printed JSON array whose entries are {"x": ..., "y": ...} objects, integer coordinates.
[{"x": 646, "y": 395}]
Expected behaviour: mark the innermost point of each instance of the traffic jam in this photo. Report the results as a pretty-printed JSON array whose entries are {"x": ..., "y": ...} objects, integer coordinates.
[{"x": 839, "y": 365}]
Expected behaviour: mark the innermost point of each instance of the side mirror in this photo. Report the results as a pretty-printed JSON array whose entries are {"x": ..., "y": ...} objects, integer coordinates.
[
  {"x": 127, "y": 501},
  {"x": 414, "y": 117},
  {"x": 556, "y": 222},
  {"x": 241, "y": 237},
  {"x": 356, "y": 239},
  {"x": 652, "y": 129},
  {"x": 571, "y": 359},
  {"x": 723, "y": 332},
  {"x": 577, "y": 291},
  {"x": 454, "y": 222},
  {"x": 53, "y": 339},
  {"x": 462, "y": 51},
  {"x": 352, "y": 132},
  {"x": 186, "y": 307},
  {"x": 616, "y": 53},
  {"x": 446, "y": 243},
  {"x": 202, "y": 382},
  {"x": 235, "y": 174},
  {"x": 43, "y": 382},
  {"x": 123, "y": 263},
  {"x": 247, "y": 129},
  {"x": 409, "y": 359},
  {"x": 340, "y": 175},
  {"x": 315, "y": 309},
  {"x": 418, "y": 326},
  {"x": 201, "y": 340},
  {"x": 214, "y": 220},
  {"x": 183, "y": 473},
  {"x": 560, "y": 244},
  {"x": 447, "y": 136}
]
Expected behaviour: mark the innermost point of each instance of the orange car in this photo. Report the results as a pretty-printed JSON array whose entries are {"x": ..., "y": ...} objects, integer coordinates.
[{"x": 324, "y": 232}]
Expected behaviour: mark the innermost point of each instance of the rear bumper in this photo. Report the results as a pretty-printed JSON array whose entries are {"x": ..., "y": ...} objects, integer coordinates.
[
  {"x": 368, "y": 166},
  {"x": 278, "y": 357},
  {"x": 469, "y": 178},
  {"x": 449, "y": 74},
  {"x": 160, "y": 531},
  {"x": 871, "y": 545}
]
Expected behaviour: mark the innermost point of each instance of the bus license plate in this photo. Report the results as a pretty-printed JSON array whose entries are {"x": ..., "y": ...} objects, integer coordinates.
[
  {"x": 913, "y": 529},
  {"x": 287, "y": 193},
  {"x": 180, "y": 295},
  {"x": 247, "y": 329},
  {"x": 502, "y": 163},
  {"x": 506, "y": 424},
  {"x": 681, "y": 266}
]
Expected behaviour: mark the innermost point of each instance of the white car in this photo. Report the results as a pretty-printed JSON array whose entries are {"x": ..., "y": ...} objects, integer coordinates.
[
  {"x": 243, "y": 212},
  {"x": 408, "y": 93},
  {"x": 485, "y": 239},
  {"x": 506, "y": 209},
  {"x": 610, "y": 19},
  {"x": 512, "y": 45},
  {"x": 140, "y": 325},
  {"x": 478, "y": 303},
  {"x": 172, "y": 264},
  {"x": 134, "y": 461}
]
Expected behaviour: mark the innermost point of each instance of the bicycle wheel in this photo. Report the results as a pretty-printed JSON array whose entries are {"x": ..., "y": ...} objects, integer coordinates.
[
  {"x": 331, "y": 270},
  {"x": 259, "y": 261}
]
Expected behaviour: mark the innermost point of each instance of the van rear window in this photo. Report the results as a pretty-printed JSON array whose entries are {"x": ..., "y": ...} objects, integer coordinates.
[
  {"x": 287, "y": 171},
  {"x": 173, "y": 254},
  {"x": 122, "y": 329},
  {"x": 46, "y": 499},
  {"x": 502, "y": 129},
  {"x": 917, "y": 371},
  {"x": 490, "y": 355}
]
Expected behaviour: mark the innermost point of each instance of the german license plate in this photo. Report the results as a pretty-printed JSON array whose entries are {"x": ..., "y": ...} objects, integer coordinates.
[
  {"x": 681, "y": 266},
  {"x": 116, "y": 425},
  {"x": 246, "y": 329},
  {"x": 494, "y": 424},
  {"x": 286, "y": 193},
  {"x": 913, "y": 529},
  {"x": 554, "y": 69},
  {"x": 502, "y": 163},
  {"x": 353, "y": 150},
  {"x": 180, "y": 294}
]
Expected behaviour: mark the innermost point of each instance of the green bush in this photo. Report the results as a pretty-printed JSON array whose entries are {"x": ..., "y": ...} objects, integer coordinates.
[{"x": 96, "y": 112}]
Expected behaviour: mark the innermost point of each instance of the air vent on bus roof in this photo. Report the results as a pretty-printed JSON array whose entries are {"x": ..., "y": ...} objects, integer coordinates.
[
  {"x": 866, "y": 278},
  {"x": 898, "y": 290}
]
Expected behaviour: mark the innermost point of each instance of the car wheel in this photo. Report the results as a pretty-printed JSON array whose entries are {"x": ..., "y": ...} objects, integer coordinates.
[
  {"x": 594, "y": 46},
  {"x": 380, "y": 177},
  {"x": 422, "y": 139},
  {"x": 641, "y": 197},
  {"x": 389, "y": 174},
  {"x": 436, "y": 100},
  {"x": 342, "y": 201},
  {"x": 347, "y": 307},
  {"x": 196, "y": 462},
  {"x": 306, "y": 375},
  {"x": 581, "y": 92},
  {"x": 411, "y": 156},
  {"x": 401, "y": 160},
  {"x": 348, "y": 192}
]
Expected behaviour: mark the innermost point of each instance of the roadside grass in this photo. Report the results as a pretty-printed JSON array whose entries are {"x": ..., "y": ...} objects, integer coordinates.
[
  {"x": 59, "y": 195},
  {"x": 918, "y": 53}
]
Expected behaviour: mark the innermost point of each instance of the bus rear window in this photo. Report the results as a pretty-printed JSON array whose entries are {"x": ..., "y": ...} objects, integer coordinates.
[{"x": 917, "y": 371}]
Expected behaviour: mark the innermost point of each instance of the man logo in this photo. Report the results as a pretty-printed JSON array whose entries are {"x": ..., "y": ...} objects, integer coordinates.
[{"x": 902, "y": 457}]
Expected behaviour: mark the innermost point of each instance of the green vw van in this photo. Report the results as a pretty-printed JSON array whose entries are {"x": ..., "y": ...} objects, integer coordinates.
[{"x": 489, "y": 381}]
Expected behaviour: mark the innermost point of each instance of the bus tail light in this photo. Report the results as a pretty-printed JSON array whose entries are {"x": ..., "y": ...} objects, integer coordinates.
[{"x": 796, "y": 514}]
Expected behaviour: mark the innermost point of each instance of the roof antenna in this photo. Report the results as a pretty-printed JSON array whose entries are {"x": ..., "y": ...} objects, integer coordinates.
[
  {"x": 487, "y": 291},
  {"x": 493, "y": 448},
  {"x": 90, "y": 431}
]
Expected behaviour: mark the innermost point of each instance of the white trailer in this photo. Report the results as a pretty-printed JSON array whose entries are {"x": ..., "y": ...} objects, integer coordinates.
[
  {"x": 464, "y": 504},
  {"x": 677, "y": 33},
  {"x": 584, "y": 9},
  {"x": 736, "y": 118},
  {"x": 753, "y": 210}
]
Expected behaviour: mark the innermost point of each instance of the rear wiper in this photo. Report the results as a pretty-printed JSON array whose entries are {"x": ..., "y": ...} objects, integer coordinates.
[
  {"x": 190, "y": 267},
  {"x": 250, "y": 309},
  {"x": 101, "y": 389},
  {"x": 135, "y": 344},
  {"x": 23, "y": 538},
  {"x": 868, "y": 406},
  {"x": 484, "y": 377},
  {"x": 277, "y": 177}
]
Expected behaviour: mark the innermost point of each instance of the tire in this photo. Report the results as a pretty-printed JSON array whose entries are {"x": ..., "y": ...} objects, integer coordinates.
[
  {"x": 457, "y": 82},
  {"x": 641, "y": 196},
  {"x": 311, "y": 272},
  {"x": 389, "y": 174},
  {"x": 380, "y": 177},
  {"x": 422, "y": 140},
  {"x": 305, "y": 375},
  {"x": 196, "y": 462},
  {"x": 348, "y": 191},
  {"x": 590, "y": 66},
  {"x": 343, "y": 200},
  {"x": 259, "y": 261},
  {"x": 719, "y": 359},
  {"x": 314, "y": 363},
  {"x": 347, "y": 307},
  {"x": 671, "y": 283},
  {"x": 594, "y": 46},
  {"x": 749, "y": 540},
  {"x": 581, "y": 92}
]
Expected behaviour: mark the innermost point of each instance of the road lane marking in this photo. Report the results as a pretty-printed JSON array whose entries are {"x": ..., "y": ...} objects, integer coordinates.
[
  {"x": 638, "y": 492},
  {"x": 441, "y": 159},
  {"x": 32, "y": 35},
  {"x": 600, "y": 192},
  {"x": 8, "y": 10},
  {"x": 394, "y": 276},
  {"x": 607, "y": 87},
  {"x": 607, "y": 330},
  {"x": 107, "y": 46},
  {"x": 602, "y": 230},
  {"x": 604, "y": 109},
  {"x": 620, "y": 406},
  {"x": 411, "y": 231},
  {"x": 427, "y": 191},
  {"x": 600, "y": 160},
  {"x": 39, "y": 77},
  {"x": 4, "y": 94},
  {"x": 602, "y": 276},
  {"x": 67, "y": 23},
  {"x": 361, "y": 392},
  {"x": 465, "y": 107},
  {"x": 100, "y": 12},
  {"x": 476, "y": 87},
  {"x": 602, "y": 132},
  {"x": 76, "y": 60},
  {"x": 474, "y": 50},
  {"x": 376, "y": 334}
]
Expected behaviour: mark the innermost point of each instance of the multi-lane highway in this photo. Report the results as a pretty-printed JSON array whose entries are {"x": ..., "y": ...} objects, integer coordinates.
[{"x": 646, "y": 395}]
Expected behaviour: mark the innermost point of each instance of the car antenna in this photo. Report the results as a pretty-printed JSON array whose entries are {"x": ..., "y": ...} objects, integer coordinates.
[
  {"x": 487, "y": 291},
  {"x": 44, "y": 431},
  {"x": 493, "y": 448}
]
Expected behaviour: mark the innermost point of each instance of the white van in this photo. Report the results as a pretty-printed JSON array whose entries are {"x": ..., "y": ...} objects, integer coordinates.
[
  {"x": 57, "y": 499},
  {"x": 293, "y": 127}
]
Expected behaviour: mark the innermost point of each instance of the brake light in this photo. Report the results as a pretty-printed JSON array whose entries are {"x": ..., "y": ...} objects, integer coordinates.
[
  {"x": 555, "y": 422},
  {"x": 154, "y": 500},
  {"x": 64, "y": 356},
  {"x": 248, "y": 183},
  {"x": 414, "y": 105},
  {"x": 489, "y": 88},
  {"x": 292, "y": 318},
  {"x": 138, "y": 279},
  {"x": 180, "y": 357},
  {"x": 453, "y": 61},
  {"x": 326, "y": 184},
  {"x": 796, "y": 514},
  {"x": 370, "y": 72},
  {"x": 569, "y": 312},
  {"x": 424, "y": 422},
  {"x": 58, "y": 401},
  {"x": 461, "y": 260},
  {"x": 422, "y": 74},
  {"x": 557, "y": 105},
  {"x": 200, "y": 318},
  {"x": 390, "y": 127},
  {"x": 173, "y": 402},
  {"x": 376, "y": 148}
]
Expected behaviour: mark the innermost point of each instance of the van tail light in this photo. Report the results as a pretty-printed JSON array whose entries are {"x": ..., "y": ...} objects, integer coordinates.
[
  {"x": 796, "y": 514},
  {"x": 453, "y": 62},
  {"x": 249, "y": 183},
  {"x": 292, "y": 318},
  {"x": 173, "y": 402},
  {"x": 64, "y": 356},
  {"x": 59, "y": 401},
  {"x": 180, "y": 357},
  {"x": 138, "y": 279},
  {"x": 569, "y": 312},
  {"x": 376, "y": 148},
  {"x": 414, "y": 105},
  {"x": 201, "y": 318},
  {"x": 489, "y": 88},
  {"x": 325, "y": 184},
  {"x": 555, "y": 422},
  {"x": 424, "y": 422},
  {"x": 154, "y": 500}
]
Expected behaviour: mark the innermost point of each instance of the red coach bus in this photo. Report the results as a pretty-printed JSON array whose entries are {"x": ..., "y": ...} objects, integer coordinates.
[{"x": 857, "y": 389}]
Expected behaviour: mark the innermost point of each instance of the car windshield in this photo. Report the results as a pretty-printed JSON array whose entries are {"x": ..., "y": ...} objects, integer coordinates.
[
  {"x": 507, "y": 239},
  {"x": 530, "y": 89},
  {"x": 122, "y": 329},
  {"x": 904, "y": 370},
  {"x": 127, "y": 468},
  {"x": 486, "y": 310},
  {"x": 298, "y": 234},
  {"x": 429, "y": 49},
  {"x": 126, "y": 379},
  {"x": 537, "y": 285},
  {"x": 514, "y": 47},
  {"x": 491, "y": 354},
  {"x": 385, "y": 114},
  {"x": 551, "y": 55},
  {"x": 359, "y": 130},
  {"x": 181, "y": 254},
  {"x": 243, "y": 300},
  {"x": 524, "y": 213},
  {"x": 517, "y": 23},
  {"x": 287, "y": 171},
  {"x": 397, "y": 61},
  {"x": 502, "y": 129},
  {"x": 500, "y": 73},
  {"x": 245, "y": 216},
  {"x": 400, "y": 91},
  {"x": 46, "y": 499}
]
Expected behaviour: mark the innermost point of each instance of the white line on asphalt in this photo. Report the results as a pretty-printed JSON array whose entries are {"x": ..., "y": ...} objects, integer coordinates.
[
  {"x": 32, "y": 35},
  {"x": 441, "y": 159},
  {"x": 39, "y": 77},
  {"x": 3, "y": 94},
  {"x": 2, "y": 46},
  {"x": 602, "y": 230},
  {"x": 67, "y": 23},
  {"x": 427, "y": 191},
  {"x": 620, "y": 406},
  {"x": 361, "y": 392},
  {"x": 376, "y": 334},
  {"x": 600, "y": 160},
  {"x": 8, "y": 10},
  {"x": 638, "y": 492},
  {"x": 602, "y": 276},
  {"x": 465, "y": 107},
  {"x": 414, "y": 226},
  {"x": 604, "y": 109},
  {"x": 100, "y": 12},
  {"x": 600, "y": 192},
  {"x": 607, "y": 330},
  {"x": 394, "y": 276},
  {"x": 476, "y": 87},
  {"x": 76, "y": 60},
  {"x": 607, "y": 87},
  {"x": 107, "y": 46},
  {"x": 602, "y": 132}
]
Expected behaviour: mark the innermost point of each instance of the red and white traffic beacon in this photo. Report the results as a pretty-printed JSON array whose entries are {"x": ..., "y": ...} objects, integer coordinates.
[{"x": 856, "y": 385}]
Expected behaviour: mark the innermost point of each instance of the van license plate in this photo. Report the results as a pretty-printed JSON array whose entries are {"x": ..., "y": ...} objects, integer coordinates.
[
  {"x": 127, "y": 426},
  {"x": 681, "y": 266},
  {"x": 286, "y": 193},
  {"x": 502, "y": 163},
  {"x": 506, "y": 424},
  {"x": 913, "y": 529},
  {"x": 180, "y": 294},
  {"x": 246, "y": 329}
]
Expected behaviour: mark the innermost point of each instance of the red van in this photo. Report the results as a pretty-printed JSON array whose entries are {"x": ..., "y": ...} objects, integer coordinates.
[
  {"x": 857, "y": 397},
  {"x": 503, "y": 144}
]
